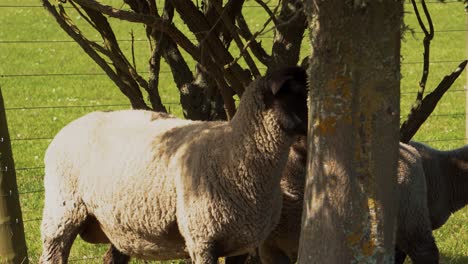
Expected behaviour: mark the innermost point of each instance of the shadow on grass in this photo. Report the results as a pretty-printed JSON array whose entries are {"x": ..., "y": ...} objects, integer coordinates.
[{"x": 453, "y": 259}]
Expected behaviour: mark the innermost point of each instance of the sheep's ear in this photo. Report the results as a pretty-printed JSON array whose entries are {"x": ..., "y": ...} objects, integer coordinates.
[
  {"x": 280, "y": 80},
  {"x": 277, "y": 85}
]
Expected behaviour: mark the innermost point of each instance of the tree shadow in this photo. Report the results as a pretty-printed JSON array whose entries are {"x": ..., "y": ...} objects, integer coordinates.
[
  {"x": 453, "y": 259},
  {"x": 448, "y": 259}
]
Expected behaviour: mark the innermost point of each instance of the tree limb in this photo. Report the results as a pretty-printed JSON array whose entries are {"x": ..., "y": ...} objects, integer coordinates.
[
  {"x": 233, "y": 33},
  {"x": 152, "y": 21},
  {"x": 124, "y": 69},
  {"x": 243, "y": 50},
  {"x": 256, "y": 47},
  {"x": 220, "y": 55},
  {"x": 288, "y": 35},
  {"x": 272, "y": 14},
  {"x": 428, "y": 36},
  {"x": 420, "y": 112},
  {"x": 65, "y": 23}
]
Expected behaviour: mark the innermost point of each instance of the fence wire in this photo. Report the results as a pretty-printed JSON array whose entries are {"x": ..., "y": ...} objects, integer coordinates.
[{"x": 36, "y": 172}]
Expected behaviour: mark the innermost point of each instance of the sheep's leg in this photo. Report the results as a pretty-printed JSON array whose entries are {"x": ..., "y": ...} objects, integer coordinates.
[
  {"x": 204, "y": 258},
  {"x": 60, "y": 226},
  {"x": 114, "y": 256},
  {"x": 203, "y": 253},
  {"x": 426, "y": 252},
  {"x": 419, "y": 245},
  {"x": 272, "y": 254},
  {"x": 236, "y": 259},
  {"x": 400, "y": 256},
  {"x": 243, "y": 259}
]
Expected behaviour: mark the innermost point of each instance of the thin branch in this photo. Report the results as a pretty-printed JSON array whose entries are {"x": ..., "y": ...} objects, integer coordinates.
[
  {"x": 133, "y": 49},
  {"x": 255, "y": 35},
  {"x": 232, "y": 30},
  {"x": 420, "y": 112},
  {"x": 118, "y": 13},
  {"x": 210, "y": 7},
  {"x": 123, "y": 67},
  {"x": 249, "y": 42},
  {"x": 428, "y": 36},
  {"x": 83, "y": 15},
  {"x": 233, "y": 9},
  {"x": 288, "y": 35},
  {"x": 270, "y": 13},
  {"x": 196, "y": 22},
  {"x": 252, "y": 43},
  {"x": 68, "y": 26},
  {"x": 428, "y": 17},
  {"x": 152, "y": 21}
]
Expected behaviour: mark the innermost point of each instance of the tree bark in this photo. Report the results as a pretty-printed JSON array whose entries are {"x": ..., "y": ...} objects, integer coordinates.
[{"x": 350, "y": 203}]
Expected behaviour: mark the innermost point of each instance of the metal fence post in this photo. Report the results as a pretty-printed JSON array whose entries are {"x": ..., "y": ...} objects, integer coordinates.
[{"x": 12, "y": 239}]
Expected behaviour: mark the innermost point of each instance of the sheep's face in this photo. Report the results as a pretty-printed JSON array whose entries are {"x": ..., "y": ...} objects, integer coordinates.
[{"x": 288, "y": 88}]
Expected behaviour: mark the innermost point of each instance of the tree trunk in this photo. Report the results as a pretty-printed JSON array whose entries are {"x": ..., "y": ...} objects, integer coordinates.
[{"x": 350, "y": 203}]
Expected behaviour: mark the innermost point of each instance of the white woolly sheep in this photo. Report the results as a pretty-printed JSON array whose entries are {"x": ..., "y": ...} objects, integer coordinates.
[
  {"x": 162, "y": 188},
  {"x": 432, "y": 185}
]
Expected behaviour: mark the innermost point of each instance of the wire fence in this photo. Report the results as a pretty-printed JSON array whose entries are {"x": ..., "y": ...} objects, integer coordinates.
[{"x": 30, "y": 177}]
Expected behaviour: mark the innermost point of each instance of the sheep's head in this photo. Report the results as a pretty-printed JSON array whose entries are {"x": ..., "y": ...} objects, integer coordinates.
[{"x": 288, "y": 88}]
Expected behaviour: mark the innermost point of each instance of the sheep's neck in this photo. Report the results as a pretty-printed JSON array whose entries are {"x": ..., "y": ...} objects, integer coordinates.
[
  {"x": 457, "y": 176},
  {"x": 294, "y": 174},
  {"x": 259, "y": 134}
]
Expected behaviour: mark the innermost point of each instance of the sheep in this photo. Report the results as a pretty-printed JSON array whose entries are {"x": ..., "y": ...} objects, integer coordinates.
[
  {"x": 432, "y": 185},
  {"x": 282, "y": 243},
  {"x": 413, "y": 232},
  {"x": 286, "y": 234},
  {"x": 446, "y": 183},
  {"x": 160, "y": 188}
]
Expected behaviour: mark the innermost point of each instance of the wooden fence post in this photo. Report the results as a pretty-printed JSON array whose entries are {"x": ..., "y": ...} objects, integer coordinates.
[{"x": 12, "y": 240}]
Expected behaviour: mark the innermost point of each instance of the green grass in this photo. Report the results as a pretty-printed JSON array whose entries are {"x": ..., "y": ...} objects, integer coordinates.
[{"x": 32, "y": 129}]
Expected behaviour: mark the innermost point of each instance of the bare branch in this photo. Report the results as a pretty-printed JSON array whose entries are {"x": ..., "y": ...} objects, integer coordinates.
[
  {"x": 420, "y": 112},
  {"x": 233, "y": 32},
  {"x": 288, "y": 35},
  {"x": 231, "y": 10},
  {"x": 272, "y": 14},
  {"x": 152, "y": 21},
  {"x": 199, "y": 101},
  {"x": 136, "y": 99},
  {"x": 83, "y": 15},
  {"x": 133, "y": 49},
  {"x": 249, "y": 42},
  {"x": 428, "y": 17},
  {"x": 252, "y": 43},
  {"x": 123, "y": 67},
  {"x": 428, "y": 36},
  {"x": 197, "y": 23}
]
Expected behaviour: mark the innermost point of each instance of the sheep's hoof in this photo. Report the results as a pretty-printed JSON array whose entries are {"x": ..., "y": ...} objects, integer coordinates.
[{"x": 114, "y": 256}]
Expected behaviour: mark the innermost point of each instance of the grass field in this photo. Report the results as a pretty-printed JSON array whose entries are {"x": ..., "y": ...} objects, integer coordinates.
[{"x": 47, "y": 81}]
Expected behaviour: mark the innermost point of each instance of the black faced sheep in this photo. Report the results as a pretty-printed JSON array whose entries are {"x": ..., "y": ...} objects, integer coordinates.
[
  {"x": 162, "y": 188},
  {"x": 445, "y": 187},
  {"x": 432, "y": 185}
]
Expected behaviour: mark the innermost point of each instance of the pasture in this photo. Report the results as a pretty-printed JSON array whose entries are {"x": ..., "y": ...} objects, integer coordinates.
[{"x": 47, "y": 81}]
